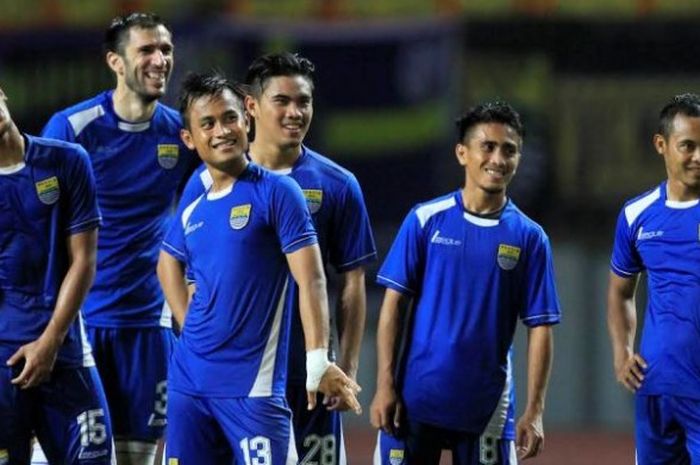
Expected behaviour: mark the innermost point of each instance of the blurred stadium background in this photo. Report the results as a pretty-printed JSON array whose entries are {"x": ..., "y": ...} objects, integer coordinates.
[{"x": 589, "y": 77}]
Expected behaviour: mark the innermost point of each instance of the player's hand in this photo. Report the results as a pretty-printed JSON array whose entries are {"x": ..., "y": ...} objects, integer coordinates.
[
  {"x": 386, "y": 410},
  {"x": 39, "y": 358},
  {"x": 629, "y": 370},
  {"x": 335, "y": 383},
  {"x": 529, "y": 435}
]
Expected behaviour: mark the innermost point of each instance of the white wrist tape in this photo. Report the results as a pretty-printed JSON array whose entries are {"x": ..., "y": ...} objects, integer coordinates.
[{"x": 316, "y": 365}]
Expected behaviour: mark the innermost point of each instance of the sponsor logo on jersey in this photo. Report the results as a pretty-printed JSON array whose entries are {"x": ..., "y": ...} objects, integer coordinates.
[
  {"x": 4, "y": 457},
  {"x": 396, "y": 456},
  {"x": 48, "y": 190},
  {"x": 240, "y": 214},
  {"x": 643, "y": 236},
  {"x": 190, "y": 228},
  {"x": 508, "y": 256},
  {"x": 442, "y": 240},
  {"x": 168, "y": 155},
  {"x": 314, "y": 198}
]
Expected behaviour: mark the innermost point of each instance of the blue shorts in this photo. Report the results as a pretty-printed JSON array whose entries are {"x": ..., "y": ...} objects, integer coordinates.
[
  {"x": 422, "y": 444},
  {"x": 667, "y": 430},
  {"x": 68, "y": 414},
  {"x": 240, "y": 430},
  {"x": 133, "y": 364},
  {"x": 319, "y": 432}
]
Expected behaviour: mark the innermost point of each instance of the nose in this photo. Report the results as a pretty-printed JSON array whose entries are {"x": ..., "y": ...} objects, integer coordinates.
[
  {"x": 293, "y": 111},
  {"x": 222, "y": 129},
  {"x": 159, "y": 58}
]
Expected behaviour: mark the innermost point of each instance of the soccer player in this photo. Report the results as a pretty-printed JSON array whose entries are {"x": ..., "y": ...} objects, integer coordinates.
[
  {"x": 472, "y": 264},
  {"x": 49, "y": 385},
  {"x": 280, "y": 101},
  {"x": 658, "y": 233},
  {"x": 139, "y": 162},
  {"x": 240, "y": 240}
]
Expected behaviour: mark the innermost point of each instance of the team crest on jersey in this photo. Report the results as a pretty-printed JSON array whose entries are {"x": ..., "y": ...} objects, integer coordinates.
[
  {"x": 314, "y": 198},
  {"x": 173, "y": 461},
  {"x": 48, "y": 190},
  {"x": 168, "y": 155},
  {"x": 240, "y": 214},
  {"x": 508, "y": 256},
  {"x": 396, "y": 456},
  {"x": 4, "y": 457}
]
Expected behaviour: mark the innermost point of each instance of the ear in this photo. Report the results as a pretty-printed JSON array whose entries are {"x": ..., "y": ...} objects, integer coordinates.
[
  {"x": 461, "y": 151},
  {"x": 115, "y": 63},
  {"x": 251, "y": 105},
  {"x": 186, "y": 137},
  {"x": 660, "y": 144}
]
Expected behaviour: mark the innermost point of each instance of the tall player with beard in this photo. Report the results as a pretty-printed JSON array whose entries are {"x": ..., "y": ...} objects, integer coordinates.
[{"x": 139, "y": 161}]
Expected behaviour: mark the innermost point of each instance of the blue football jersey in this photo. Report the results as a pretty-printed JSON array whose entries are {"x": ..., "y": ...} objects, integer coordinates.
[
  {"x": 138, "y": 169},
  {"x": 470, "y": 278},
  {"x": 334, "y": 199},
  {"x": 43, "y": 201},
  {"x": 662, "y": 237},
  {"x": 234, "y": 339}
]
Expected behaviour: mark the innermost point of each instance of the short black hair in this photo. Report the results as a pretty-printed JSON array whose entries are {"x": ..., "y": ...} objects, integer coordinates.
[
  {"x": 211, "y": 84},
  {"x": 489, "y": 112},
  {"x": 683, "y": 104},
  {"x": 277, "y": 64},
  {"x": 118, "y": 30}
]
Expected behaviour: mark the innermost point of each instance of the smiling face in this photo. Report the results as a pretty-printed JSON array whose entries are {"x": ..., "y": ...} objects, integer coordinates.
[
  {"x": 144, "y": 62},
  {"x": 283, "y": 111},
  {"x": 217, "y": 130},
  {"x": 681, "y": 153},
  {"x": 490, "y": 153}
]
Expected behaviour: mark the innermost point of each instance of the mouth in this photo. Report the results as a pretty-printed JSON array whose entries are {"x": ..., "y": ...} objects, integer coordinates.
[
  {"x": 156, "y": 77},
  {"x": 495, "y": 173},
  {"x": 293, "y": 128},
  {"x": 225, "y": 144}
]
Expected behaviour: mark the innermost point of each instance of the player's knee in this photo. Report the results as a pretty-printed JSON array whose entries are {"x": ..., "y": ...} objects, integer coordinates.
[{"x": 135, "y": 452}]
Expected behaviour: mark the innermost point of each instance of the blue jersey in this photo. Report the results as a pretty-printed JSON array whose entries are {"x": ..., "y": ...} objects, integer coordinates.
[
  {"x": 662, "y": 237},
  {"x": 470, "y": 278},
  {"x": 138, "y": 168},
  {"x": 236, "y": 332},
  {"x": 339, "y": 214},
  {"x": 43, "y": 201}
]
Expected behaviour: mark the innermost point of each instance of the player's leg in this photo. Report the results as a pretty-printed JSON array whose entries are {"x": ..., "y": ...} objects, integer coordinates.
[
  {"x": 318, "y": 433},
  {"x": 660, "y": 439},
  {"x": 471, "y": 449},
  {"x": 73, "y": 424},
  {"x": 135, "y": 360},
  {"x": 193, "y": 436},
  {"x": 259, "y": 429},
  {"x": 15, "y": 420}
]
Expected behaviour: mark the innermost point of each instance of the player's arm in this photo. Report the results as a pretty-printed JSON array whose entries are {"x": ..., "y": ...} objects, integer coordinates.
[
  {"x": 622, "y": 326},
  {"x": 385, "y": 412},
  {"x": 530, "y": 433},
  {"x": 39, "y": 356},
  {"x": 307, "y": 270},
  {"x": 350, "y": 316},
  {"x": 171, "y": 274}
]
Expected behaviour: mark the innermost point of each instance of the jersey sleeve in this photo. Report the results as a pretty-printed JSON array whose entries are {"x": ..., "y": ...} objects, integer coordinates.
[
  {"x": 290, "y": 216},
  {"x": 402, "y": 269},
  {"x": 352, "y": 244},
  {"x": 541, "y": 303},
  {"x": 625, "y": 261},
  {"x": 174, "y": 240},
  {"x": 60, "y": 128},
  {"x": 81, "y": 201}
]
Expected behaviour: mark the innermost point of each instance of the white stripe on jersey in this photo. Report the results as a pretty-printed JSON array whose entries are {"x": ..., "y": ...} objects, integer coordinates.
[
  {"x": 88, "y": 360},
  {"x": 479, "y": 221},
  {"x": 263, "y": 381},
  {"x": 343, "y": 457},
  {"x": 633, "y": 210},
  {"x": 187, "y": 212},
  {"x": 513, "y": 459},
  {"x": 292, "y": 455},
  {"x": 166, "y": 316},
  {"x": 377, "y": 457},
  {"x": 80, "y": 120},
  {"x": 133, "y": 127},
  {"x": 494, "y": 427},
  {"x": 426, "y": 211}
]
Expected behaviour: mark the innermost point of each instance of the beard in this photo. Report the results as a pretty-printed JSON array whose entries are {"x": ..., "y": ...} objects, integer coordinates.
[{"x": 141, "y": 89}]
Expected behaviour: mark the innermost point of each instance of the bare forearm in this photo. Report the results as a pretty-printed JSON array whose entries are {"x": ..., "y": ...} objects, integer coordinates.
[
  {"x": 622, "y": 315},
  {"x": 539, "y": 365},
  {"x": 351, "y": 314},
  {"x": 172, "y": 280},
  {"x": 307, "y": 270},
  {"x": 387, "y": 333}
]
